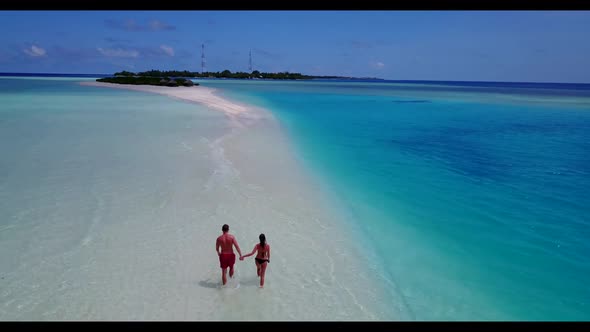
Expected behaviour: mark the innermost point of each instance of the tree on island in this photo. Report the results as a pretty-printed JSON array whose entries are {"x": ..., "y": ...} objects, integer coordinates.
[{"x": 124, "y": 73}]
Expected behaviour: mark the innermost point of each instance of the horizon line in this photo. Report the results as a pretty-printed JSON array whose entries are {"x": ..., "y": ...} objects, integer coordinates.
[{"x": 381, "y": 79}]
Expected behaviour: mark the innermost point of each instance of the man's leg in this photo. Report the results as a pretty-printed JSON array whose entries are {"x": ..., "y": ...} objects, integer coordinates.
[
  {"x": 223, "y": 275},
  {"x": 231, "y": 271}
]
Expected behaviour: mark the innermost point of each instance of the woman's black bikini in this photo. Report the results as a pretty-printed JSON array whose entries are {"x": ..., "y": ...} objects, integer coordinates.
[{"x": 261, "y": 260}]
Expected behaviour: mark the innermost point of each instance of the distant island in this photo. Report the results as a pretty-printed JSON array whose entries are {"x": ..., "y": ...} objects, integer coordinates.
[
  {"x": 146, "y": 80},
  {"x": 237, "y": 75},
  {"x": 175, "y": 78}
]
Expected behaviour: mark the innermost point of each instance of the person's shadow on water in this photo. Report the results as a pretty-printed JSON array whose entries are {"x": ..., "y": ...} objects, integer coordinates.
[{"x": 208, "y": 284}]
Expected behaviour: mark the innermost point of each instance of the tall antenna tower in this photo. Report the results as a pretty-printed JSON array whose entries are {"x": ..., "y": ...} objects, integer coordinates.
[
  {"x": 202, "y": 58},
  {"x": 250, "y": 64}
]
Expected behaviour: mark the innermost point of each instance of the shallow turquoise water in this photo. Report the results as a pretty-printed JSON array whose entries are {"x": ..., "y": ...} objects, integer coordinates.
[
  {"x": 474, "y": 198},
  {"x": 67, "y": 149},
  {"x": 109, "y": 200},
  {"x": 471, "y": 202}
]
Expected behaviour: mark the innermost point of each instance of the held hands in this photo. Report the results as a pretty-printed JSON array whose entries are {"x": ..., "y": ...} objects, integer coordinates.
[{"x": 241, "y": 258}]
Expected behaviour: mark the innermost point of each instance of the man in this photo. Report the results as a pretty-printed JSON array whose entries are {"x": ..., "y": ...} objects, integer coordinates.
[{"x": 227, "y": 258}]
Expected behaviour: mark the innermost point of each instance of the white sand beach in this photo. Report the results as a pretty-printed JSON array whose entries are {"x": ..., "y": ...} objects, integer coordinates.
[
  {"x": 150, "y": 253},
  {"x": 120, "y": 221},
  {"x": 198, "y": 94}
]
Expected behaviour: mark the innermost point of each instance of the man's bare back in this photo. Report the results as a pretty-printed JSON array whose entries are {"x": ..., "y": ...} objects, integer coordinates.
[{"x": 226, "y": 242}]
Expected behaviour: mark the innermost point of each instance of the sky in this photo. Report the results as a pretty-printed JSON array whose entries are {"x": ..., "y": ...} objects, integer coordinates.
[{"x": 512, "y": 46}]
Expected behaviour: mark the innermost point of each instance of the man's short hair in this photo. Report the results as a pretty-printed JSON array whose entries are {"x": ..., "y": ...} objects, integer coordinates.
[{"x": 225, "y": 228}]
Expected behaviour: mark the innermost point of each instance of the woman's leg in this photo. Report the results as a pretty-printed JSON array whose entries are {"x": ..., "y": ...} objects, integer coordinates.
[
  {"x": 257, "y": 268},
  {"x": 262, "y": 273}
]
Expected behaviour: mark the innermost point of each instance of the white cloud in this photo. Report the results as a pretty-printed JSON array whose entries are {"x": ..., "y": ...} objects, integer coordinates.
[
  {"x": 377, "y": 64},
  {"x": 156, "y": 25},
  {"x": 35, "y": 51},
  {"x": 131, "y": 25},
  {"x": 118, "y": 52},
  {"x": 167, "y": 49}
]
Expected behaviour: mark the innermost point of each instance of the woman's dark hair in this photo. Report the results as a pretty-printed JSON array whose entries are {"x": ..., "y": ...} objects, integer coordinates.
[{"x": 262, "y": 241}]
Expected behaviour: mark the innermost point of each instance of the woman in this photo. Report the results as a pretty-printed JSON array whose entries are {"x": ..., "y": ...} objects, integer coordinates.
[{"x": 262, "y": 257}]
